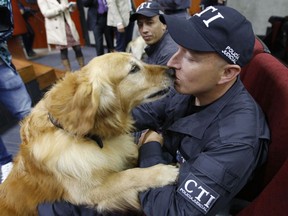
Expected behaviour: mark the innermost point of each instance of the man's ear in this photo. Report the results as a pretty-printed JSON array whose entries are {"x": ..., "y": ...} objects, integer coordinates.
[
  {"x": 74, "y": 102},
  {"x": 164, "y": 27},
  {"x": 230, "y": 73}
]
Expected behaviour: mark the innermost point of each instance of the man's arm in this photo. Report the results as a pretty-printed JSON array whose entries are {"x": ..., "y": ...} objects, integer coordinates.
[
  {"x": 151, "y": 115},
  {"x": 205, "y": 184}
]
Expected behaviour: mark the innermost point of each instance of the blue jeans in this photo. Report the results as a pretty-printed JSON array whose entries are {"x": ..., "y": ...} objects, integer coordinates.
[
  {"x": 15, "y": 98},
  {"x": 5, "y": 157},
  {"x": 123, "y": 38}
]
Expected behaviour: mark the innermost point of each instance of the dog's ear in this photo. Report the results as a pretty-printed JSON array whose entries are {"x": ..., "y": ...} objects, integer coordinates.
[{"x": 74, "y": 103}]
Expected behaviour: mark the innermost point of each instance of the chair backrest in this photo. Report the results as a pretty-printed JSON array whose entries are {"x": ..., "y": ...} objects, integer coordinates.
[
  {"x": 266, "y": 78},
  {"x": 260, "y": 47},
  {"x": 273, "y": 199}
]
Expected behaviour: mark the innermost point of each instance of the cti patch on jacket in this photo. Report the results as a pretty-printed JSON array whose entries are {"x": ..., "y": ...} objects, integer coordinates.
[{"x": 197, "y": 193}]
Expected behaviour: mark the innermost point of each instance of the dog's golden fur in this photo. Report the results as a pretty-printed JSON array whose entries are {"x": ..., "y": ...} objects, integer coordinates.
[
  {"x": 63, "y": 163},
  {"x": 137, "y": 47}
]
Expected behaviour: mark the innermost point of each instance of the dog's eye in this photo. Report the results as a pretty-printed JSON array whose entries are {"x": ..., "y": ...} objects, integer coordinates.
[{"x": 134, "y": 69}]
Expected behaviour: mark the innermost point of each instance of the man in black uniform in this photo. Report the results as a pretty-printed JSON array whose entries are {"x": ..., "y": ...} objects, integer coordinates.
[{"x": 160, "y": 45}]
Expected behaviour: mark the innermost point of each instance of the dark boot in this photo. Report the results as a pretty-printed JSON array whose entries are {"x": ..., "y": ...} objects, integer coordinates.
[
  {"x": 66, "y": 64},
  {"x": 80, "y": 61}
]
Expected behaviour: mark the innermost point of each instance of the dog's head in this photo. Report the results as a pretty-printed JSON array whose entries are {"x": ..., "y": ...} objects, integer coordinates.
[{"x": 99, "y": 98}]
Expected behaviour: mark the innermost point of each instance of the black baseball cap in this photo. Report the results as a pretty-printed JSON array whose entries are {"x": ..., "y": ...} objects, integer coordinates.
[
  {"x": 220, "y": 29},
  {"x": 148, "y": 9}
]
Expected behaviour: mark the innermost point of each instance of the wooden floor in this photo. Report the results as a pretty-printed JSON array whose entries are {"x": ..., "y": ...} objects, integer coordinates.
[
  {"x": 44, "y": 71},
  {"x": 43, "y": 76}
]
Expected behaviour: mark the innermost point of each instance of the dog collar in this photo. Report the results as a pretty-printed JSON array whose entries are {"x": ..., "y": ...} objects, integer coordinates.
[{"x": 94, "y": 137}]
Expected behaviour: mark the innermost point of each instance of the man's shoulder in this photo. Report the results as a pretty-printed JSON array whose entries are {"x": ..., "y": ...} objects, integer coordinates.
[
  {"x": 168, "y": 45},
  {"x": 161, "y": 52},
  {"x": 167, "y": 39},
  {"x": 241, "y": 105}
]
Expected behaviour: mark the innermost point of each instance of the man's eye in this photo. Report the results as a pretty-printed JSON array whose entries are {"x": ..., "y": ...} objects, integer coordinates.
[{"x": 134, "y": 69}]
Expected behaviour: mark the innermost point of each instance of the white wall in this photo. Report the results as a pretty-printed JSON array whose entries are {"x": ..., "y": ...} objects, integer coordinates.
[{"x": 259, "y": 11}]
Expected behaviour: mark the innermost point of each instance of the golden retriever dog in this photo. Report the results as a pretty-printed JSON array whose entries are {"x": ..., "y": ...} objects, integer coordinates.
[
  {"x": 77, "y": 144},
  {"x": 136, "y": 47}
]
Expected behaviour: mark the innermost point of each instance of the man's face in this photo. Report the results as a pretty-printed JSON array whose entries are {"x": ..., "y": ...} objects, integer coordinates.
[
  {"x": 197, "y": 73},
  {"x": 150, "y": 28}
]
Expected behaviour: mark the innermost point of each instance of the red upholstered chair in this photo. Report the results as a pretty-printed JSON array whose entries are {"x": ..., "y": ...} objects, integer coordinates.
[
  {"x": 266, "y": 78},
  {"x": 260, "y": 47},
  {"x": 273, "y": 199}
]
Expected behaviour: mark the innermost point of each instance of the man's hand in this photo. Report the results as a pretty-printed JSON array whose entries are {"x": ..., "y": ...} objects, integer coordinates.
[
  {"x": 150, "y": 136},
  {"x": 120, "y": 28}
]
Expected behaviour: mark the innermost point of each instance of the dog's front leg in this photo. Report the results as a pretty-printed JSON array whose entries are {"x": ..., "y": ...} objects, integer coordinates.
[{"x": 120, "y": 190}]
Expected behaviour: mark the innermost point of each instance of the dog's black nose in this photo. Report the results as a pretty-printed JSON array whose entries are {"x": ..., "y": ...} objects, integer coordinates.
[{"x": 170, "y": 72}]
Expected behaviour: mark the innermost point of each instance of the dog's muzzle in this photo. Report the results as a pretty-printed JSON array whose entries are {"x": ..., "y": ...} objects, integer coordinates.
[{"x": 171, "y": 73}]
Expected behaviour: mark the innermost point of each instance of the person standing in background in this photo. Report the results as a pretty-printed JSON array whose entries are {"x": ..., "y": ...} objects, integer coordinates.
[
  {"x": 97, "y": 22},
  {"x": 13, "y": 93},
  {"x": 28, "y": 37},
  {"x": 119, "y": 12},
  {"x": 206, "y": 3},
  {"x": 60, "y": 29},
  {"x": 177, "y": 7}
]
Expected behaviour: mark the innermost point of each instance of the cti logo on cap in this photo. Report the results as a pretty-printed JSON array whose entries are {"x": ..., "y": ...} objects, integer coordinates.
[
  {"x": 228, "y": 51},
  {"x": 144, "y": 5},
  {"x": 214, "y": 17},
  {"x": 197, "y": 193}
]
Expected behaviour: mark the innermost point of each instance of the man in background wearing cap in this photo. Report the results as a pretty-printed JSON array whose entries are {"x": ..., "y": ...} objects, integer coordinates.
[
  {"x": 160, "y": 46},
  {"x": 210, "y": 125},
  {"x": 179, "y": 8}
]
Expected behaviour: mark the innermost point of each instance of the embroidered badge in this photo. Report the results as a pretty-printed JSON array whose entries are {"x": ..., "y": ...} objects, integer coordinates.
[
  {"x": 197, "y": 193},
  {"x": 231, "y": 54}
]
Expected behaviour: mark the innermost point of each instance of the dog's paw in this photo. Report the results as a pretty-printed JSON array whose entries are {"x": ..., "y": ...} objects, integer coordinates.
[{"x": 165, "y": 174}]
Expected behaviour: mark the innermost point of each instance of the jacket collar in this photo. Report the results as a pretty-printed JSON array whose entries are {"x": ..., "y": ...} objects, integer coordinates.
[{"x": 150, "y": 49}]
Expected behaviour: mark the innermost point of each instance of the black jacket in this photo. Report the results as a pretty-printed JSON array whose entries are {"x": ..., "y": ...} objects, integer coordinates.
[{"x": 218, "y": 147}]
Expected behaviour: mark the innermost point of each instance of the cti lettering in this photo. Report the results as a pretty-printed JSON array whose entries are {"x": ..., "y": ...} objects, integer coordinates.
[
  {"x": 198, "y": 190},
  {"x": 197, "y": 193},
  {"x": 214, "y": 17},
  {"x": 144, "y": 5}
]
